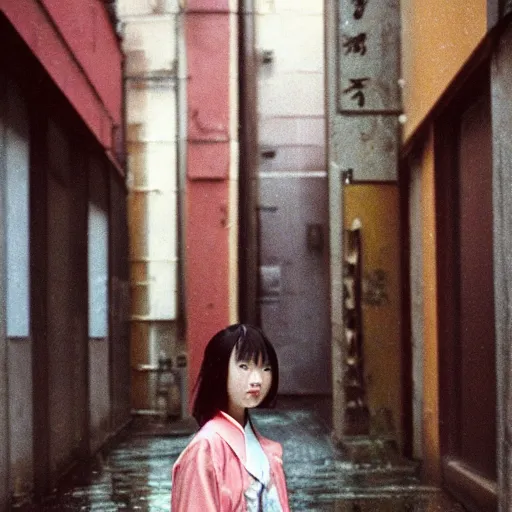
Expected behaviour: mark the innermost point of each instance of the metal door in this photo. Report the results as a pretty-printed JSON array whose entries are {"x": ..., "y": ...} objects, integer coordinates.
[{"x": 293, "y": 193}]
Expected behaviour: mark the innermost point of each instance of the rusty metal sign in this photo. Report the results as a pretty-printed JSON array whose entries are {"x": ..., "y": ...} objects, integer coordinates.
[{"x": 368, "y": 57}]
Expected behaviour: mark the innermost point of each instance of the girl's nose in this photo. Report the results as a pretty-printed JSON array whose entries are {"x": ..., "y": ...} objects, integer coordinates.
[{"x": 255, "y": 378}]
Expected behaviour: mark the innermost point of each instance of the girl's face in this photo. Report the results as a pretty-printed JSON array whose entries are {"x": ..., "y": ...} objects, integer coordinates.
[{"x": 248, "y": 384}]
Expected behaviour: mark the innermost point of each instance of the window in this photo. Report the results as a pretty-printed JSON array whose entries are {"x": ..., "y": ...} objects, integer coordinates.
[
  {"x": 98, "y": 256},
  {"x": 17, "y": 215}
]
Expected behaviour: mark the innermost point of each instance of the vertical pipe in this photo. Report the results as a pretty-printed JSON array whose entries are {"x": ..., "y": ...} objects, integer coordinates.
[
  {"x": 248, "y": 183},
  {"x": 336, "y": 223},
  {"x": 181, "y": 148}
]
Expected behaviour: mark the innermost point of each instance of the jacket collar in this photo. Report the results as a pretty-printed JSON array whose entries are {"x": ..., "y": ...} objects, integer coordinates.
[{"x": 231, "y": 432}]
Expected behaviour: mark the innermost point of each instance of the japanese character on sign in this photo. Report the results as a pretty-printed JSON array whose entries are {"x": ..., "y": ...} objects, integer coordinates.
[
  {"x": 355, "y": 44},
  {"x": 360, "y": 6},
  {"x": 356, "y": 87}
]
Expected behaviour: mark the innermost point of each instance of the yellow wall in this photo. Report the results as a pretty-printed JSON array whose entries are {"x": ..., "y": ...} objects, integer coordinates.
[
  {"x": 431, "y": 449},
  {"x": 377, "y": 207},
  {"x": 437, "y": 38}
]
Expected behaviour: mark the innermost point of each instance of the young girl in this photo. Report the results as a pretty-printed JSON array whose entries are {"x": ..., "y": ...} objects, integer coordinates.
[{"x": 228, "y": 466}]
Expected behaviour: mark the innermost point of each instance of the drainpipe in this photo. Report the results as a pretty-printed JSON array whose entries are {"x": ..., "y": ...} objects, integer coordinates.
[
  {"x": 248, "y": 183},
  {"x": 181, "y": 120}
]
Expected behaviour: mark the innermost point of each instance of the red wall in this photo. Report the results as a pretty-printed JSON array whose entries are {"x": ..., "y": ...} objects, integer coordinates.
[
  {"x": 208, "y": 162},
  {"x": 78, "y": 47}
]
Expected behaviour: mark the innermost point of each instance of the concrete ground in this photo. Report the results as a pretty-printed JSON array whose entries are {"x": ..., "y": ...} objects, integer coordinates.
[{"x": 134, "y": 472}]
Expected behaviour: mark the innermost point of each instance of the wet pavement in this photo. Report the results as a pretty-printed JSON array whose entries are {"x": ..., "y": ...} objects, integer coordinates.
[{"x": 134, "y": 473}]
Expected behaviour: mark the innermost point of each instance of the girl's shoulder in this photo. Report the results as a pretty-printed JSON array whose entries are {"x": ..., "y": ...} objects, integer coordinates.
[
  {"x": 210, "y": 445},
  {"x": 199, "y": 447},
  {"x": 208, "y": 437}
]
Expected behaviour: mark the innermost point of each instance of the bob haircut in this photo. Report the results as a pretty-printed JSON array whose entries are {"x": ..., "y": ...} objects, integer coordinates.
[{"x": 211, "y": 395}]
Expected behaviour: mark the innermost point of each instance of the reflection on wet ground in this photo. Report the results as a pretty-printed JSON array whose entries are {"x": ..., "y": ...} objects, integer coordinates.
[
  {"x": 320, "y": 480},
  {"x": 135, "y": 474}
]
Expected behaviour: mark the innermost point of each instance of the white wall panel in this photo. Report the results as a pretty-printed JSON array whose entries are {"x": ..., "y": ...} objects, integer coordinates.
[
  {"x": 151, "y": 112},
  {"x": 146, "y": 7},
  {"x": 292, "y": 95},
  {"x": 150, "y": 46},
  {"x": 301, "y": 48},
  {"x": 289, "y": 131},
  {"x": 287, "y": 6},
  {"x": 98, "y": 272},
  {"x": 17, "y": 226}
]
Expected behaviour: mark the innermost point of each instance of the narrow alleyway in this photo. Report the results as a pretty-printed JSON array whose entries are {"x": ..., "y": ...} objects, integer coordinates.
[{"x": 134, "y": 473}]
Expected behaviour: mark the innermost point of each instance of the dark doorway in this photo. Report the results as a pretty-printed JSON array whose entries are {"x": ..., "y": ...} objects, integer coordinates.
[{"x": 466, "y": 298}]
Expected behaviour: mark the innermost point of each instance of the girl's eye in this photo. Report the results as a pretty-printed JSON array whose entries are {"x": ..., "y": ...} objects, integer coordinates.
[
  {"x": 243, "y": 366},
  {"x": 267, "y": 369}
]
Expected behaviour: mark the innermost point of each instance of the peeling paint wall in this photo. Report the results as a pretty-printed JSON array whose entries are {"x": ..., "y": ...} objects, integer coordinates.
[
  {"x": 211, "y": 208},
  {"x": 376, "y": 209},
  {"x": 364, "y": 105},
  {"x": 150, "y": 36}
]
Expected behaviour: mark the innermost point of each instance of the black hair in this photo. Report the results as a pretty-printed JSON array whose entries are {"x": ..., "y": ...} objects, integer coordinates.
[{"x": 211, "y": 394}]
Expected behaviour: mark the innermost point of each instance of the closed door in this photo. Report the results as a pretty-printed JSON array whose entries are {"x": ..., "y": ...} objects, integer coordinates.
[
  {"x": 294, "y": 309},
  {"x": 466, "y": 308},
  {"x": 292, "y": 201}
]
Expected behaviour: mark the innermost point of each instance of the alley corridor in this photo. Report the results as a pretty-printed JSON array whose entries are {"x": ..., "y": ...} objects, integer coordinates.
[{"x": 134, "y": 472}]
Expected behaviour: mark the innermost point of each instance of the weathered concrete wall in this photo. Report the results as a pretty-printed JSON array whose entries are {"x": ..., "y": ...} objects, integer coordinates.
[
  {"x": 363, "y": 106},
  {"x": 501, "y": 107},
  {"x": 376, "y": 208},
  {"x": 20, "y": 415},
  {"x": 151, "y": 33},
  {"x": 99, "y": 392},
  {"x": 335, "y": 226},
  {"x": 211, "y": 32}
]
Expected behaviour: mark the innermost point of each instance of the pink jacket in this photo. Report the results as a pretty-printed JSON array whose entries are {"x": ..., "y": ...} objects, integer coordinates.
[{"x": 209, "y": 475}]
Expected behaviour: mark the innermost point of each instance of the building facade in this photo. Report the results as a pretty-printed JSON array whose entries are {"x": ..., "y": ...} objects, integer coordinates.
[
  {"x": 454, "y": 165},
  {"x": 64, "y": 387},
  {"x": 236, "y": 207},
  {"x": 341, "y": 182}
]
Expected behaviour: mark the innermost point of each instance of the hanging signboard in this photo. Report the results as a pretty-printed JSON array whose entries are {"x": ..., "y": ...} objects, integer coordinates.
[{"x": 368, "y": 56}]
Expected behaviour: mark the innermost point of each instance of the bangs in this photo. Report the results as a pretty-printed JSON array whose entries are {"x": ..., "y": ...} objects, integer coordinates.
[{"x": 250, "y": 346}]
